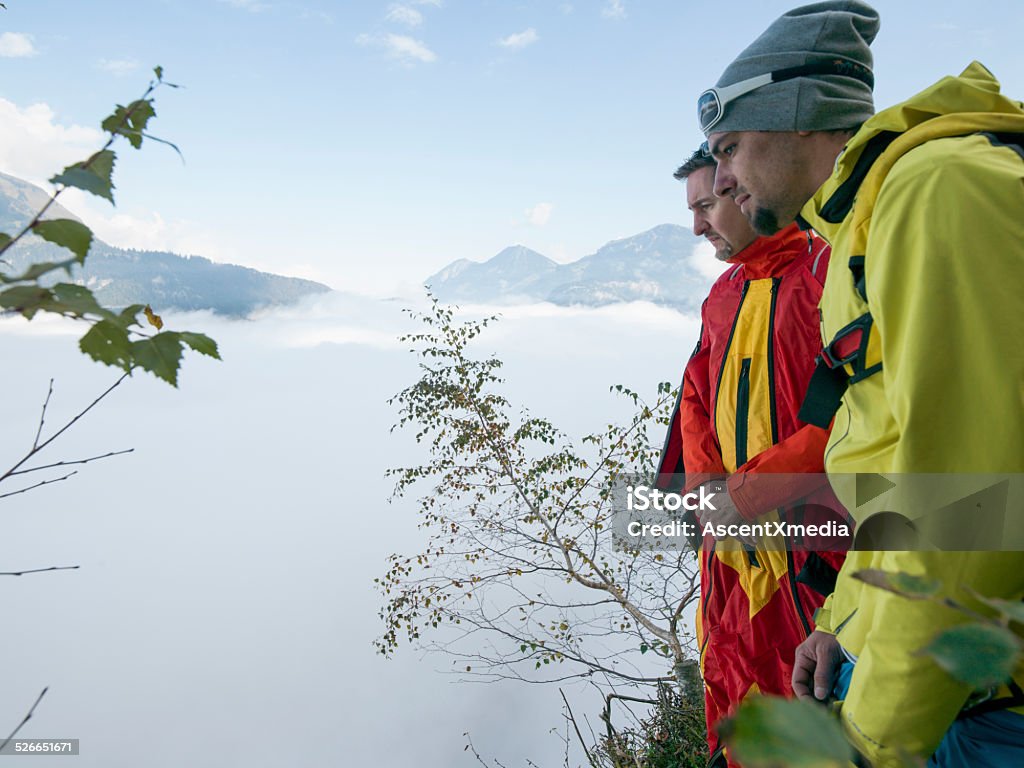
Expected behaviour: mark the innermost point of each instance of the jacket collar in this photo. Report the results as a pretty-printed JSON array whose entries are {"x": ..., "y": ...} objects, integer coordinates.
[
  {"x": 975, "y": 90},
  {"x": 767, "y": 256}
]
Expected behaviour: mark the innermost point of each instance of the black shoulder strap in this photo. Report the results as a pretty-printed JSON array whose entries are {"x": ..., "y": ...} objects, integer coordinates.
[
  {"x": 841, "y": 202},
  {"x": 1014, "y": 141}
]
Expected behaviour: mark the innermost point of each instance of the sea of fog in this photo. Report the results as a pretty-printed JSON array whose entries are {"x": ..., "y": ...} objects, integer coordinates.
[{"x": 223, "y": 613}]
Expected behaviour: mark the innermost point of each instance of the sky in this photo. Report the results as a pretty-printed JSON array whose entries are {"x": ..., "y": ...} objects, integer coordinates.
[{"x": 368, "y": 144}]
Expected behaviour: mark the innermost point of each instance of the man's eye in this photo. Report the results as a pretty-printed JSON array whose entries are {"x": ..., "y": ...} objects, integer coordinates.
[{"x": 728, "y": 150}]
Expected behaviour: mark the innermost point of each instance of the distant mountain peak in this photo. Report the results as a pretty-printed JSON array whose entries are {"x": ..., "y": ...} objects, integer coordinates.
[
  {"x": 653, "y": 265},
  {"x": 520, "y": 256},
  {"x": 120, "y": 277},
  {"x": 21, "y": 200}
]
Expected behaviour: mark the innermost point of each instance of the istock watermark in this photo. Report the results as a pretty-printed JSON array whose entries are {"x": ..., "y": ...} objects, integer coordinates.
[
  {"x": 808, "y": 512},
  {"x": 642, "y": 497}
]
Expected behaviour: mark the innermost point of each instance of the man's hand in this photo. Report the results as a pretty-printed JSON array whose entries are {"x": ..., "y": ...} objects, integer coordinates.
[
  {"x": 725, "y": 511},
  {"x": 816, "y": 666}
]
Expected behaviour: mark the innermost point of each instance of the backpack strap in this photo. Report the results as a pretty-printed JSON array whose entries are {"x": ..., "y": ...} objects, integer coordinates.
[
  {"x": 841, "y": 362},
  {"x": 1014, "y": 699},
  {"x": 854, "y": 353}
]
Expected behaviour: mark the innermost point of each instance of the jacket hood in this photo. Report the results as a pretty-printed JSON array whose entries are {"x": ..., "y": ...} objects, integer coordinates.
[{"x": 975, "y": 91}]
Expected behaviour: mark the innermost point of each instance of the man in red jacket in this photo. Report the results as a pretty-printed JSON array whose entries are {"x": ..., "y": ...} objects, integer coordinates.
[{"x": 737, "y": 419}]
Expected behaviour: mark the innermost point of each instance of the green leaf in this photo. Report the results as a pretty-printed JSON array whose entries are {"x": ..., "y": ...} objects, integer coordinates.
[
  {"x": 769, "y": 731},
  {"x": 94, "y": 175},
  {"x": 1012, "y": 610},
  {"x": 160, "y": 355},
  {"x": 4, "y": 239},
  {"x": 139, "y": 114},
  {"x": 78, "y": 300},
  {"x": 159, "y": 72},
  {"x": 980, "y": 655},
  {"x": 905, "y": 584},
  {"x": 27, "y": 299},
  {"x": 130, "y": 121},
  {"x": 129, "y": 315},
  {"x": 107, "y": 342},
  {"x": 67, "y": 233},
  {"x": 35, "y": 271},
  {"x": 201, "y": 343}
]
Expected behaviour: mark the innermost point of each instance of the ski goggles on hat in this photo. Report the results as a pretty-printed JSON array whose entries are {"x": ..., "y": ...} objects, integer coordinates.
[{"x": 711, "y": 104}]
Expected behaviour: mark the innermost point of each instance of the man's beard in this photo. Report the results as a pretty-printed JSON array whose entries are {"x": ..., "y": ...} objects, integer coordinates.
[{"x": 765, "y": 222}]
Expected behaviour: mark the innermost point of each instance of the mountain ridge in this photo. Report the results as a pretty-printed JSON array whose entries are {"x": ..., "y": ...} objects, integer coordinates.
[
  {"x": 653, "y": 265},
  {"x": 122, "y": 276}
]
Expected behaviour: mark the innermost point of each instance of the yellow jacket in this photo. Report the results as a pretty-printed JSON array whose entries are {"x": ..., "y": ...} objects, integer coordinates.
[{"x": 939, "y": 219}]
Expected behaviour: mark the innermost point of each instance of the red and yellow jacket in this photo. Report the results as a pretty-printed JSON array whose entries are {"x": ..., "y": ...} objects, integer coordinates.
[{"x": 736, "y": 417}]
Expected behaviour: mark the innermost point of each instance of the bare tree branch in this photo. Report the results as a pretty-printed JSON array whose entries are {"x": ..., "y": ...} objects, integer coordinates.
[
  {"x": 40, "y": 484},
  {"x": 40, "y": 570},
  {"x": 576, "y": 728},
  {"x": 27, "y": 717},
  {"x": 70, "y": 463}
]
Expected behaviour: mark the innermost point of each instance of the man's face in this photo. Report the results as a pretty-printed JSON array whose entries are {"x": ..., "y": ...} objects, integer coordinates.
[
  {"x": 717, "y": 219},
  {"x": 761, "y": 171}
]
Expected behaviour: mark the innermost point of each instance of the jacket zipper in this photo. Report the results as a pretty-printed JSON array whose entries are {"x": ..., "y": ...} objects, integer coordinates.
[
  {"x": 704, "y": 612},
  {"x": 795, "y": 588},
  {"x": 771, "y": 361},
  {"x": 742, "y": 411}
]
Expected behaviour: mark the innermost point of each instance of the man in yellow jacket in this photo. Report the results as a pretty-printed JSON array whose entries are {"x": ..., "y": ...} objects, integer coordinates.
[{"x": 923, "y": 369}]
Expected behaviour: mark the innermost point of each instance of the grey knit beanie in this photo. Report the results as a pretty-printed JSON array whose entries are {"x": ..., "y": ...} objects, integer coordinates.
[{"x": 835, "y": 31}]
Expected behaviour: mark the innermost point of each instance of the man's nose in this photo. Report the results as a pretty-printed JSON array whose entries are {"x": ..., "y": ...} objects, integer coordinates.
[
  {"x": 700, "y": 225},
  {"x": 725, "y": 182}
]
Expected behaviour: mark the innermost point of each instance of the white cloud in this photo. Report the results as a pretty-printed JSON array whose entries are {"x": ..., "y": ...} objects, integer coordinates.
[
  {"x": 34, "y": 146},
  {"x": 703, "y": 260},
  {"x": 118, "y": 66},
  {"x": 613, "y": 9},
  {"x": 435, "y": 3},
  {"x": 539, "y": 214},
  {"x": 519, "y": 39},
  {"x": 143, "y": 230},
  {"x": 403, "y": 14},
  {"x": 253, "y": 6},
  {"x": 406, "y": 49},
  {"x": 14, "y": 45},
  {"x": 318, "y": 16}
]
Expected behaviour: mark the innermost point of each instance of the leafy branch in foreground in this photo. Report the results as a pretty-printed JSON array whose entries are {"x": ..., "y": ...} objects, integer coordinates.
[
  {"x": 114, "y": 337},
  {"x": 519, "y": 578}
]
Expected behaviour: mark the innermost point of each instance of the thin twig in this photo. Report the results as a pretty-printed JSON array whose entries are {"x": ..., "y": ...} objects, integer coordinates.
[
  {"x": 41, "y": 570},
  {"x": 42, "y": 416},
  {"x": 37, "y": 447},
  {"x": 25, "y": 720},
  {"x": 69, "y": 463},
  {"x": 38, "y": 485},
  {"x": 576, "y": 728}
]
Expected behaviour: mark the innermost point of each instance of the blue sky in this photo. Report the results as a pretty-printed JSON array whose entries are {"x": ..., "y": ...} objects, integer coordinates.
[{"x": 367, "y": 144}]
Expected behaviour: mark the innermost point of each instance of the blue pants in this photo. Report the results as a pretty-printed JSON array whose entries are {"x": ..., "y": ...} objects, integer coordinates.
[{"x": 992, "y": 740}]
